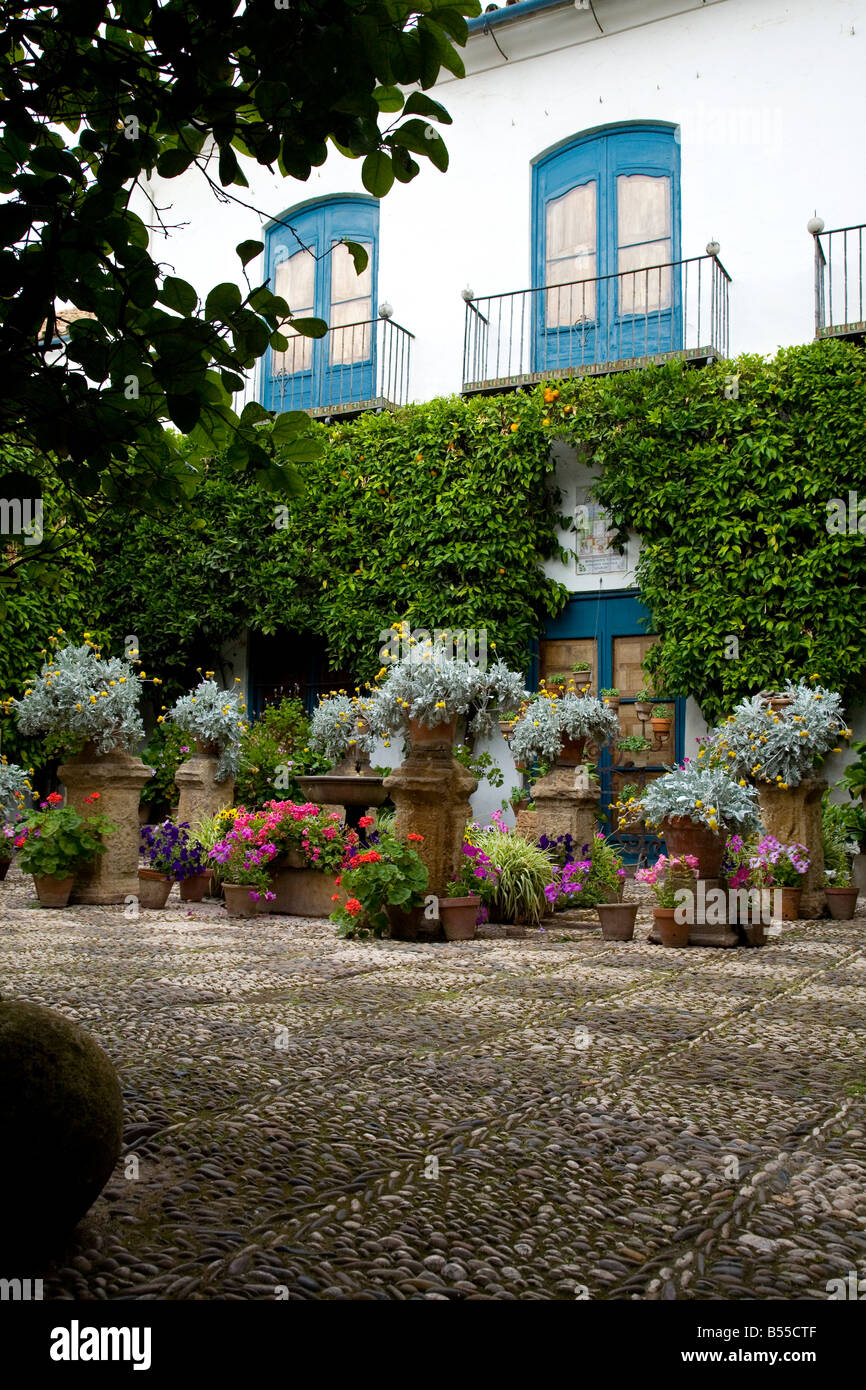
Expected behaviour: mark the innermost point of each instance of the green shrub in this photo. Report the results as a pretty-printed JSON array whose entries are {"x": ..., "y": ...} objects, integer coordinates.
[
  {"x": 524, "y": 873},
  {"x": 275, "y": 751}
]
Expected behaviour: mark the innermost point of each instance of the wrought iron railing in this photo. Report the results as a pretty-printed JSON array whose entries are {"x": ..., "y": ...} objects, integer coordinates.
[
  {"x": 602, "y": 324},
  {"x": 357, "y": 366},
  {"x": 838, "y": 280}
]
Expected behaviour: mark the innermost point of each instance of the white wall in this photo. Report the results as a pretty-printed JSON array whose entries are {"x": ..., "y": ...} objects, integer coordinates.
[{"x": 771, "y": 102}]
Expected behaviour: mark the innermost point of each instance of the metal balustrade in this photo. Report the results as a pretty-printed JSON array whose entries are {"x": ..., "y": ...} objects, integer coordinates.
[
  {"x": 603, "y": 324},
  {"x": 838, "y": 281},
  {"x": 355, "y": 367}
]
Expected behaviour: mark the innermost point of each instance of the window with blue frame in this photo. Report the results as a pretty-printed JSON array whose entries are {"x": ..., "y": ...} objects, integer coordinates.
[
  {"x": 606, "y": 239},
  {"x": 315, "y": 274}
]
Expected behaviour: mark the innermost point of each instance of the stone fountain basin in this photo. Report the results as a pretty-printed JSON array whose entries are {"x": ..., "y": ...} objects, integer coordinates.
[{"x": 344, "y": 791}]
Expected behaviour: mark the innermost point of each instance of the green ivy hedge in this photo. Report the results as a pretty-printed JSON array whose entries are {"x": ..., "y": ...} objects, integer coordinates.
[
  {"x": 726, "y": 474},
  {"x": 440, "y": 514}
]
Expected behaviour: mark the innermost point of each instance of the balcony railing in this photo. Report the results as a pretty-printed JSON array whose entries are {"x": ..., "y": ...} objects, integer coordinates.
[
  {"x": 838, "y": 281},
  {"x": 595, "y": 326},
  {"x": 355, "y": 367}
]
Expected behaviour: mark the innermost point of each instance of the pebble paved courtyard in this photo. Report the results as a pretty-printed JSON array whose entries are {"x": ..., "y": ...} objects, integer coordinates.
[{"x": 537, "y": 1116}]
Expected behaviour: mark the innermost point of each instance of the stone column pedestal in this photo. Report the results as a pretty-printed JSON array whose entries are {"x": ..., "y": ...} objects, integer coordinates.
[
  {"x": 566, "y": 803},
  {"x": 118, "y": 778},
  {"x": 200, "y": 794},
  {"x": 431, "y": 792},
  {"x": 794, "y": 815}
]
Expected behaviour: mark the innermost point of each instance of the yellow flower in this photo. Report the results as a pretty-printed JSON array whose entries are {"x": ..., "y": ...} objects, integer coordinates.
[
  {"x": 112, "y": 682},
  {"x": 742, "y": 781},
  {"x": 160, "y": 719}
]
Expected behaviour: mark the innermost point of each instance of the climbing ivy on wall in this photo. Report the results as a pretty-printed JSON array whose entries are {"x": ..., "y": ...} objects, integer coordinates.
[
  {"x": 440, "y": 515},
  {"x": 728, "y": 474}
]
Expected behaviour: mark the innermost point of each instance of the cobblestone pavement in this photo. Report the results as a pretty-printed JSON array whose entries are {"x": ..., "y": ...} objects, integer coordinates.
[{"x": 547, "y": 1117}]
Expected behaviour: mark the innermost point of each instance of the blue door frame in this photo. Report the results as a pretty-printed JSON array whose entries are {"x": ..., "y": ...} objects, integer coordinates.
[
  {"x": 601, "y": 156},
  {"x": 319, "y": 226},
  {"x": 604, "y": 616}
]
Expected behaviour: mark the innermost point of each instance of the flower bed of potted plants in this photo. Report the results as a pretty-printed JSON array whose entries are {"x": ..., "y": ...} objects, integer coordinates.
[
  {"x": 385, "y": 879},
  {"x": 695, "y": 808},
  {"x": 173, "y": 856},
  {"x": 555, "y": 730},
  {"x": 308, "y": 846},
  {"x": 667, "y": 877},
  {"x": 53, "y": 842},
  {"x": 14, "y": 789}
]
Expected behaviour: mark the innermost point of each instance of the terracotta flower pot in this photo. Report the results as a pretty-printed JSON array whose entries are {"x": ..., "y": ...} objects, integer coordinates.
[
  {"x": 193, "y": 889},
  {"x": 791, "y": 903},
  {"x": 842, "y": 903},
  {"x": 778, "y": 703},
  {"x": 440, "y": 736},
  {"x": 207, "y": 750},
  {"x": 153, "y": 888},
  {"x": 505, "y": 727},
  {"x": 617, "y": 920},
  {"x": 612, "y": 701},
  {"x": 458, "y": 917},
  {"x": 661, "y": 726},
  {"x": 643, "y": 709},
  {"x": 238, "y": 900},
  {"x": 671, "y": 932},
  {"x": 4, "y": 868},
  {"x": 53, "y": 892},
  {"x": 684, "y": 836},
  {"x": 571, "y": 753},
  {"x": 582, "y": 678}
]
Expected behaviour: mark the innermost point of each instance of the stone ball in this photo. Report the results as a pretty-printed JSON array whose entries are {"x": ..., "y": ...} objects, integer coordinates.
[{"x": 61, "y": 1118}]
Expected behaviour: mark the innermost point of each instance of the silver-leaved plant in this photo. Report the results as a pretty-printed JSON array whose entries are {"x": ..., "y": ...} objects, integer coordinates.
[
  {"x": 343, "y": 724},
  {"x": 705, "y": 795},
  {"x": 539, "y": 734},
  {"x": 81, "y": 695},
  {"x": 215, "y": 716},
  {"x": 756, "y": 744},
  {"x": 14, "y": 789}
]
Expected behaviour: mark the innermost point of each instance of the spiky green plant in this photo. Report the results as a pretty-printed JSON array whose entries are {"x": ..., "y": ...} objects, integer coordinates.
[{"x": 525, "y": 870}]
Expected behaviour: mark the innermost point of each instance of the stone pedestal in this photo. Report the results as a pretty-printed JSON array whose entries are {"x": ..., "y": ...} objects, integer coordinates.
[
  {"x": 200, "y": 794},
  {"x": 566, "y": 803},
  {"x": 794, "y": 816},
  {"x": 526, "y": 824},
  {"x": 118, "y": 778},
  {"x": 431, "y": 792}
]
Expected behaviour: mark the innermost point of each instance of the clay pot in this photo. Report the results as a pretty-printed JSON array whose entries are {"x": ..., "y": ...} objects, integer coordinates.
[
  {"x": 458, "y": 917},
  {"x": 153, "y": 888},
  {"x": 303, "y": 893},
  {"x": 53, "y": 892},
  {"x": 684, "y": 836},
  {"x": 671, "y": 932},
  {"x": 441, "y": 736},
  {"x": 643, "y": 709},
  {"x": 617, "y": 920},
  {"x": 571, "y": 754},
  {"x": 842, "y": 903},
  {"x": 582, "y": 678},
  {"x": 612, "y": 701},
  {"x": 207, "y": 750},
  {"x": 238, "y": 900},
  {"x": 4, "y": 868},
  {"x": 791, "y": 904},
  {"x": 193, "y": 889},
  {"x": 661, "y": 726},
  {"x": 778, "y": 703},
  {"x": 505, "y": 727}
]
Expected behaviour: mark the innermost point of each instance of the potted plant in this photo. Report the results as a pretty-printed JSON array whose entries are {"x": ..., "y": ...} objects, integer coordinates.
[
  {"x": 557, "y": 682},
  {"x": 617, "y": 920},
  {"x": 311, "y": 846},
  {"x": 516, "y": 873},
  {"x": 518, "y": 797},
  {"x": 460, "y": 905},
  {"x": 610, "y": 697},
  {"x": 88, "y": 705},
  {"x": 389, "y": 876},
  {"x": 661, "y": 719},
  {"x": 557, "y": 730},
  {"x": 55, "y": 840},
  {"x": 582, "y": 674},
  {"x": 214, "y": 718},
  {"x": 243, "y": 869},
  {"x": 778, "y": 749},
  {"x": 643, "y": 704},
  {"x": 694, "y": 808},
  {"x": 666, "y": 877},
  {"x": 426, "y": 693},
  {"x": 14, "y": 788},
  {"x": 633, "y": 743},
  {"x": 774, "y": 865},
  {"x": 173, "y": 856},
  {"x": 343, "y": 728},
  {"x": 840, "y": 891}
]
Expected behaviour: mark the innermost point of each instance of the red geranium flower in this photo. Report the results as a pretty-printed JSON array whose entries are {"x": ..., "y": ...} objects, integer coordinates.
[
  {"x": 54, "y": 798},
  {"x": 419, "y": 838},
  {"x": 371, "y": 856},
  {"x": 353, "y": 907},
  {"x": 335, "y": 897},
  {"x": 366, "y": 821},
  {"x": 94, "y": 796}
]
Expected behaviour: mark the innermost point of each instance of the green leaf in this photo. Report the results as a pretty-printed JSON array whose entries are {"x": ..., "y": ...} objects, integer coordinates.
[
  {"x": 309, "y": 328},
  {"x": 419, "y": 104},
  {"x": 177, "y": 294},
  {"x": 377, "y": 174},
  {"x": 359, "y": 255},
  {"x": 248, "y": 250},
  {"x": 223, "y": 301},
  {"x": 388, "y": 98},
  {"x": 173, "y": 162}
]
